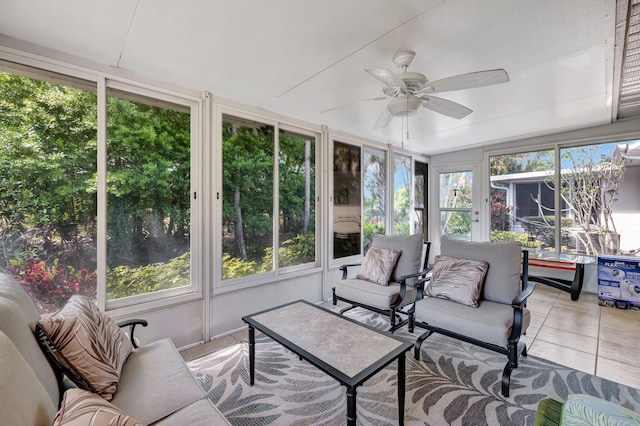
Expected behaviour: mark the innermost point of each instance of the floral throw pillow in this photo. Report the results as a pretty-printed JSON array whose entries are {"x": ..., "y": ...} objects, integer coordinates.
[
  {"x": 86, "y": 344},
  {"x": 378, "y": 265},
  {"x": 80, "y": 408},
  {"x": 458, "y": 280}
]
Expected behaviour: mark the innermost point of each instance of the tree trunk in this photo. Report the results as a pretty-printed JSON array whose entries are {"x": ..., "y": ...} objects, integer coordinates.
[{"x": 307, "y": 186}]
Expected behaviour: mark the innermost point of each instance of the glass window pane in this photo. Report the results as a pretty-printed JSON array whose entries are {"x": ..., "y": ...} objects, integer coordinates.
[
  {"x": 420, "y": 202},
  {"x": 148, "y": 196},
  {"x": 375, "y": 193},
  {"x": 297, "y": 194},
  {"x": 347, "y": 226},
  {"x": 401, "y": 195},
  {"x": 600, "y": 189},
  {"x": 247, "y": 197},
  {"x": 455, "y": 190},
  {"x": 48, "y": 194},
  {"x": 455, "y": 225},
  {"x": 522, "y": 199}
]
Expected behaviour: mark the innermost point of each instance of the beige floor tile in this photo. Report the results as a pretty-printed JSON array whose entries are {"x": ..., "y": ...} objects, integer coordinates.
[
  {"x": 537, "y": 318},
  {"x": 619, "y": 331},
  {"x": 568, "y": 339},
  {"x": 241, "y": 335},
  {"x": 565, "y": 356},
  {"x": 624, "y": 352},
  {"x": 622, "y": 317},
  {"x": 587, "y": 305},
  {"x": 212, "y": 346},
  {"x": 570, "y": 321},
  {"x": 622, "y": 373}
]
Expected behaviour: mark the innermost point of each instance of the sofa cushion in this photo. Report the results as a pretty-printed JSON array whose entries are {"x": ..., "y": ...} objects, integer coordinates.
[
  {"x": 23, "y": 399},
  {"x": 490, "y": 322},
  {"x": 81, "y": 407},
  {"x": 87, "y": 344},
  {"x": 409, "y": 260},
  {"x": 17, "y": 313},
  {"x": 374, "y": 295},
  {"x": 155, "y": 382},
  {"x": 581, "y": 409},
  {"x": 458, "y": 280},
  {"x": 378, "y": 264},
  {"x": 502, "y": 283}
]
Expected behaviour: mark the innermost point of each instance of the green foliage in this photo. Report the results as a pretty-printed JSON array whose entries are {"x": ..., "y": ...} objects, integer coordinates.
[
  {"x": 124, "y": 281},
  {"x": 232, "y": 267},
  {"x": 375, "y": 226},
  {"x": 299, "y": 250},
  {"x": 523, "y": 239}
]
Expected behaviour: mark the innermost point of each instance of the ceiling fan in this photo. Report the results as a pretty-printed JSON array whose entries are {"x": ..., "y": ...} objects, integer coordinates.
[{"x": 408, "y": 91}]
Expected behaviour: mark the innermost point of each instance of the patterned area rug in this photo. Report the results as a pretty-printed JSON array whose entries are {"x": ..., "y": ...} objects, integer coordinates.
[{"x": 453, "y": 383}]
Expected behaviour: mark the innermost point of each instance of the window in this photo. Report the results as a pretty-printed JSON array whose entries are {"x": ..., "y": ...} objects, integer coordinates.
[
  {"x": 375, "y": 193},
  {"x": 420, "y": 186},
  {"x": 148, "y": 195},
  {"x": 455, "y": 204},
  {"x": 598, "y": 189},
  {"x": 522, "y": 199},
  {"x": 297, "y": 191},
  {"x": 247, "y": 197},
  {"x": 347, "y": 175},
  {"x": 252, "y": 243},
  {"x": 48, "y": 194},
  {"x": 402, "y": 195}
]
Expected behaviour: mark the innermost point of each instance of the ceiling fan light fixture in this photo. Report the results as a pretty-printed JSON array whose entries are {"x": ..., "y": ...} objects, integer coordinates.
[{"x": 405, "y": 106}]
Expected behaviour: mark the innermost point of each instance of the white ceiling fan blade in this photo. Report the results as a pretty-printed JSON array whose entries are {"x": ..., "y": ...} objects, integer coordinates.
[
  {"x": 445, "y": 107},
  {"x": 467, "y": 81},
  {"x": 383, "y": 119},
  {"x": 387, "y": 77},
  {"x": 380, "y": 98}
]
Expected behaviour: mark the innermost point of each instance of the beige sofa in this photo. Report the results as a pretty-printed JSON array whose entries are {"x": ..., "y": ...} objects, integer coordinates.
[{"x": 155, "y": 386}]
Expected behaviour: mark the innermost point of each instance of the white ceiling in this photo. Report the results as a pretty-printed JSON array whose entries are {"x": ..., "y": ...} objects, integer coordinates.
[{"x": 301, "y": 57}]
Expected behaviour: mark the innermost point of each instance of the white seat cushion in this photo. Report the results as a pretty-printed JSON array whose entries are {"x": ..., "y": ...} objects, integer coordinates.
[{"x": 372, "y": 294}]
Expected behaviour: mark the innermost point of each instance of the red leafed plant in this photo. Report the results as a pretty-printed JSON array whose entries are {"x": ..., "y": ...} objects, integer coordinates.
[{"x": 50, "y": 287}]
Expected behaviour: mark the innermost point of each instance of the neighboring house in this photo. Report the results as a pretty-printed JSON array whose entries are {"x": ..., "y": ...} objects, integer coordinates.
[{"x": 531, "y": 196}]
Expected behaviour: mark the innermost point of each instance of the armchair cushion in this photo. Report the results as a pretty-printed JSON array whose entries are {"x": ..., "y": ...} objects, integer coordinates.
[
  {"x": 378, "y": 264},
  {"x": 409, "y": 260},
  {"x": 458, "y": 280},
  {"x": 490, "y": 322},
  {"x": 24, "y": 401},
  {"x": 502, "y": 283},
  {"x": 88, "y": 345},
  {"x": 374, "y": 295},
  {"x": 80, "y": 407}
]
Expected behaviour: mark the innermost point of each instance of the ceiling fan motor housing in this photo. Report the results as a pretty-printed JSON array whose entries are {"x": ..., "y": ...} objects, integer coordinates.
[{"x": 406, "y": 105}]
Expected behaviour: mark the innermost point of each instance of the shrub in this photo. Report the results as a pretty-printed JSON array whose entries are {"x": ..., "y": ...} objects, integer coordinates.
[
  {"x": 123, "y": 281},
  {"x": 50, "y": 287}
]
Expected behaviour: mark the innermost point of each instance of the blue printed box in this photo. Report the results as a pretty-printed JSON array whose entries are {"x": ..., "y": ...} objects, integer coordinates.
[{"x": 619, "y": 282}]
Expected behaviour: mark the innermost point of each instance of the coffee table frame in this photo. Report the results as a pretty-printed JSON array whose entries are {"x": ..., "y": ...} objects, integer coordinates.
[{"x": 350, "y": 382}]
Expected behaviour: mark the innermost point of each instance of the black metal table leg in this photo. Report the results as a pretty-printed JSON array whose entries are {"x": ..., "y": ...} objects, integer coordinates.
[
  {"x": 401, "y": 388},
  {"x": 252, "y": 354},
  {"x": 351, "y": 406},
  {"x": 578, "y": 279}
]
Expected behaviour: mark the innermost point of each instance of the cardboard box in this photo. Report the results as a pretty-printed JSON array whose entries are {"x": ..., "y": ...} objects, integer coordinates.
[{"x": 619, "y": 282}]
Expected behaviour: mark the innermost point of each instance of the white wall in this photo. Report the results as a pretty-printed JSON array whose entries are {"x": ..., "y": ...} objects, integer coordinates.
[{"x": 227, "y": 309}]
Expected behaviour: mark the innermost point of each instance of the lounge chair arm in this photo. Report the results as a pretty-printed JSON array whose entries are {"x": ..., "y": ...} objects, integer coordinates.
[
  {"x": 344, "y": 269},
  {"x": 132, "y": 326},
  {"x": 524, "y": 294}
]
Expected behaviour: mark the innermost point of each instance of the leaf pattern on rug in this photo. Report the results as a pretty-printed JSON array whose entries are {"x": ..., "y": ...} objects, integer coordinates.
[{"x": 453, "y": 383}]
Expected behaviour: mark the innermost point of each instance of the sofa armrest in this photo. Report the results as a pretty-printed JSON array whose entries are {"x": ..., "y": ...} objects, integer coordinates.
[{"x": 132, "y": 327}]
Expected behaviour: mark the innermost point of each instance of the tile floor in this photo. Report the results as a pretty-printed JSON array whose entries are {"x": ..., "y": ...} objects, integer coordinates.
[{"x": 583, "y": 335}]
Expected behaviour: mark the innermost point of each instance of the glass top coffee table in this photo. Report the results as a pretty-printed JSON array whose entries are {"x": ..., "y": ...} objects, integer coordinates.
[{"x": 348, "y": 351}]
